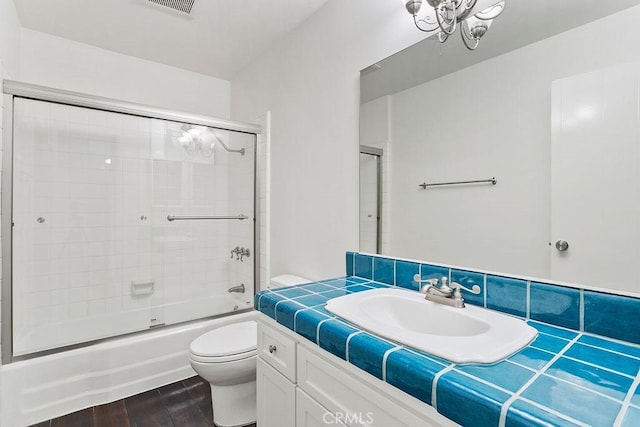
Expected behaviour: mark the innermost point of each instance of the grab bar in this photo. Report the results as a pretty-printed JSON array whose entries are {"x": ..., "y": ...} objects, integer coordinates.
[
  {"x": 492, "y": 181},
  {"x": 193, "y": 217}
]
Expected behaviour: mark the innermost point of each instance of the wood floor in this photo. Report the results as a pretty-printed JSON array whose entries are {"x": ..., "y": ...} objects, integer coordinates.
[{"x": 183, "y": 404}]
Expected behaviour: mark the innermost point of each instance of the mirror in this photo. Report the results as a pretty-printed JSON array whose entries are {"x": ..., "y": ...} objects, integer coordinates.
[{"x": 547, "y": 104}]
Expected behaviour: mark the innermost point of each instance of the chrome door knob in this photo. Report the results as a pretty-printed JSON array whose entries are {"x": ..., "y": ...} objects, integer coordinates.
[{"x": 562, "y": 245}]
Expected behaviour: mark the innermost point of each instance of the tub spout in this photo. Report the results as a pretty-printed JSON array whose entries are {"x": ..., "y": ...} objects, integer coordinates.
[{"x": 239, "y": 289}]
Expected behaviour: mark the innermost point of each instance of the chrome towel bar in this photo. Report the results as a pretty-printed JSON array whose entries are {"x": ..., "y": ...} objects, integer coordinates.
[
  {"x": 492, "y": 181},
  {"x": 193, "y": 217}
]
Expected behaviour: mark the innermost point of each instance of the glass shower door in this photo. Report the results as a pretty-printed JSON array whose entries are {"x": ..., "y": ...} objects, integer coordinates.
[
  {"x": 94, "y": 254},
  {"x": 206, "y": 190},
  {"x": 370, "y": 203}
]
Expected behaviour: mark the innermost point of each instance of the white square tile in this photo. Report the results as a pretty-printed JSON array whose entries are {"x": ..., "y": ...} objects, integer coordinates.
[{"x": 78, "y": 309}]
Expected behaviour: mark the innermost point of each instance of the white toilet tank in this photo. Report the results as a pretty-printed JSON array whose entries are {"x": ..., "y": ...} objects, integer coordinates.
[{"x": 287, "y": 280}]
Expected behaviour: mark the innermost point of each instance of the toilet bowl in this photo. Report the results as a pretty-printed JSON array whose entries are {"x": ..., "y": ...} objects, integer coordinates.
[{"x": 226, "y": 358}]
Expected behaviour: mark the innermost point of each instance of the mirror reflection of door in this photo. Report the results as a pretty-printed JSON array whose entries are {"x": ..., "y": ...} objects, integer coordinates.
[
  {"x": 595, "y": 185},
  {"x": 370, "y": 199}
]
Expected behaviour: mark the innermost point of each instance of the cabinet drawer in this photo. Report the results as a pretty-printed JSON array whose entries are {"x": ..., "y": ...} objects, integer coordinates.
[{"x": 277, "y": 349}]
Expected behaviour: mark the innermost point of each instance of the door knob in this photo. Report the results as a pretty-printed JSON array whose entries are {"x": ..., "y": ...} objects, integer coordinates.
[{"x": 562, "y": 245}]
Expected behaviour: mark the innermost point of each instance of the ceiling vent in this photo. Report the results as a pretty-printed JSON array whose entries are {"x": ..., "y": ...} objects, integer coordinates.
[{"x": 183, "y": 6}]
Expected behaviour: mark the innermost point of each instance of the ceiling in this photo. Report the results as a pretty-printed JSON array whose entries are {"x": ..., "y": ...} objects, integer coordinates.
[
  {"x": 523, "y": 22},
  {"x": 219, "y": 38}
]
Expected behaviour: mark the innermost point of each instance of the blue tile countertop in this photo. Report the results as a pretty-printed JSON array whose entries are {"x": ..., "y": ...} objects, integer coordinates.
[{"x": 563, "y": 378}]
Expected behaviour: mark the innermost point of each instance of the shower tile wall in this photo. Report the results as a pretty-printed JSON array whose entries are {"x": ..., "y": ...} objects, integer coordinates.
[{"x": 92, "y": 191}]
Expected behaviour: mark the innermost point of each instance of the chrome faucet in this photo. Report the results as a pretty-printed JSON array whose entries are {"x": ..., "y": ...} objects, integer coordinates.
[
  {"x": 240, "y": 253},
  {"x": 239, "y": 289},
  {"x": 444, "y": 294}
]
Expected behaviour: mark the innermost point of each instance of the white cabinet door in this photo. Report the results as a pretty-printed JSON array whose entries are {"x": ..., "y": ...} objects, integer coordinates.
[
  {"x": 595, "y": 178},
  {"x": 276, "y": 398},
  {"x": 354, "y": 400},
  {"x": 310, "y": 413}
]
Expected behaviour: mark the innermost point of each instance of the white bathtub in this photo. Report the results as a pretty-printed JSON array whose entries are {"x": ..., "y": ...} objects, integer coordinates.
[{"x": 49, "y": 386}]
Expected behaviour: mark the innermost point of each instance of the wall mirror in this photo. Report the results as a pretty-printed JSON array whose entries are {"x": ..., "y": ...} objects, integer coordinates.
[{"x": 548, "y": 105}]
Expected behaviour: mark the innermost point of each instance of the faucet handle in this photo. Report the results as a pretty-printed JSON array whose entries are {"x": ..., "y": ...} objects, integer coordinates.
[
  {"x": 475, "y": 289},
  {"x": 430, "y": 283},
  {"x": 418, "y": 279}
]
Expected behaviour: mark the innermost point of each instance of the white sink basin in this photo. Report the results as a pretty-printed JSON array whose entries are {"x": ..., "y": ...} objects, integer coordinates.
[{"x": 460, "y": 335}]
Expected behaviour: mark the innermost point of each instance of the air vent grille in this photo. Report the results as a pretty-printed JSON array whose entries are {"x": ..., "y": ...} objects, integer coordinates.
[{"x": 183, "y": 6}]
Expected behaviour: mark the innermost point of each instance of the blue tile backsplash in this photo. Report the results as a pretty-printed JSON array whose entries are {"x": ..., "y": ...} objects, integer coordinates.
[
  {"x": 578, "y": 309},
  {"x": 507, "y": 295},
  {"x": 384, "y": 270},
  {"x": 364, "y": 266},
  {"x": 609, "y": 315},
  {"x": 404, "y": 274},
  {"x": 350, "y": 261},
  {"x": 555, "y": 304},
  {"x": 428, "y": 271},
  {"x": 567, "y": 376}
]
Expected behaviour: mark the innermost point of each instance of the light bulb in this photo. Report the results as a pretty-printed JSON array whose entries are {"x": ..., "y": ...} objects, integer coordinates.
[
  {"x": 477, "y": 27},
  {"x": 185, "y": 140}
]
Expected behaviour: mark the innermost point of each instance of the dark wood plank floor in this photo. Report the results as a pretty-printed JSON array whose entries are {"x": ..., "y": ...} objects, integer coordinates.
[{"x": 183, "y": 404}]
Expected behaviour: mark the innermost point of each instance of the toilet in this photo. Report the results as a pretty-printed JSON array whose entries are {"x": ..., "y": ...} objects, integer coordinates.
[{"x": 226, "y": 358}]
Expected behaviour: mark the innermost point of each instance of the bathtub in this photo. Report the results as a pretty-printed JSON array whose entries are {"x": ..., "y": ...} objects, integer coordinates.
[{"x": 47, "y": 387}]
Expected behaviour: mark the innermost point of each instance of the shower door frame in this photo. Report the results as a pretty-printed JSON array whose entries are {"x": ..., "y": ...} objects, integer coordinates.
[
  {"x": 377, "y": 153},
  {"x": 12, "y": 89}
]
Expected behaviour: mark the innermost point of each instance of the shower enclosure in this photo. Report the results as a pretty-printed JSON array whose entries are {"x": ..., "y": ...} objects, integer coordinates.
[{"x": 119, "y": 218}]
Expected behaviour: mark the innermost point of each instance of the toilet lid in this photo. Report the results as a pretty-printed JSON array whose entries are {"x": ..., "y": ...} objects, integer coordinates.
[{"x": 227, "y": 340}]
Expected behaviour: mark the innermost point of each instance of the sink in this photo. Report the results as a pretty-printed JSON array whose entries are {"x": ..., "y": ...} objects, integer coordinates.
[{"x": 460, "y": 335}]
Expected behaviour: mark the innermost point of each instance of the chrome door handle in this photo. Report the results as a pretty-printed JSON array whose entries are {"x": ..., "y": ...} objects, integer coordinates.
[
  {"x": 562, "y": 245},
  {"x": 272, "y": 349}
]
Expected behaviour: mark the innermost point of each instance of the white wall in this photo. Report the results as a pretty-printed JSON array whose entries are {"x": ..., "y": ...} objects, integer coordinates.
[
  {"x": 491, "y": 119},
  {"x": 310, "y": 83},
  {"x": 9, "y": 39},
  {"x": 60, "y": 63}
]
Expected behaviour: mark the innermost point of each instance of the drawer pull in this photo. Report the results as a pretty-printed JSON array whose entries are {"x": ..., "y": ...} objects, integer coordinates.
[{"x": 272, "y": 348}]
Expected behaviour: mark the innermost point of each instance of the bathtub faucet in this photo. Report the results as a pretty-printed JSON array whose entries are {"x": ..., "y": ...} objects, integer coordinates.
[
  {"x": 240, "y": 253},
  {"x": 239, "y": 289}
]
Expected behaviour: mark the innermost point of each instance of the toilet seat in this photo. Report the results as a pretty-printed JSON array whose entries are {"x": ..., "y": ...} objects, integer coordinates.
[
  {"x": 223, "y": 359},
  {"x": 228, "y": 343}
]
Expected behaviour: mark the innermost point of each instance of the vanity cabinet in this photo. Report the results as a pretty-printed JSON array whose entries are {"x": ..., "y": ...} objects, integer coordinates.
[
  {"x": 276, "y": 405},
  {"x": 309, "y": 413},
  {"x": 299, "y": 384}
]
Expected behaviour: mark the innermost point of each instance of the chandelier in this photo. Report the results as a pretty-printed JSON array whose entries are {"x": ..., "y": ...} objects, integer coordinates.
[{"x": 448, "y": 15}]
